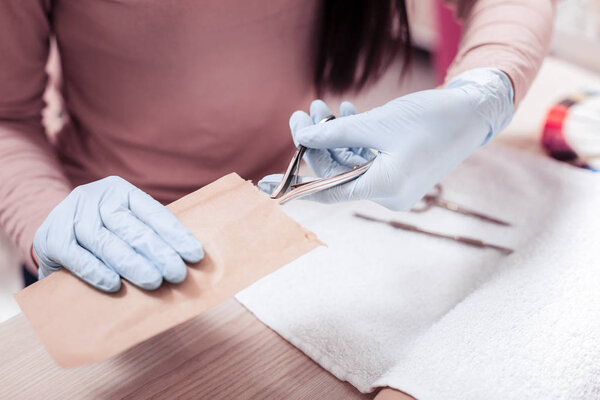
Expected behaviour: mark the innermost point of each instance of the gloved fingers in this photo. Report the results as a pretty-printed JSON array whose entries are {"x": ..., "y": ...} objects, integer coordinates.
[
  {"x": 270, "y": 182},
  {"x": 350, "y": 157},
  {"x": 353, "y": 156},
  {"x": 318, "y": 160},
  {"x": 299, "y": 120},
  {"x": 364, "y": 153},
  {"x": 325, "y": 163},
  {"x": 332, "y": 161},
  {"x": 89, "y": 268},
  {"x": 371, "y": 185},
  {"x": 347, "y": 108},
  {"x": 321, "y": 162},
  {"x": 329, "y": 162},
  {"x": 166, "y": 225},
  {"x": 118, "y": 255},
  {"x": 143, "y": 240},
  {"x": 319, "y": 110},
  {"x": 45, "y": 270}
]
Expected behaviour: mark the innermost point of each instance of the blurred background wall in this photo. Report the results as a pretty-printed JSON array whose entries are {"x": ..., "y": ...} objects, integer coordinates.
[{"x": 576, "y": 38}]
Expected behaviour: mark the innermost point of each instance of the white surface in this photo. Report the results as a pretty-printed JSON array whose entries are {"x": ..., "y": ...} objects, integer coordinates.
[{"x": 437, "y": 319}]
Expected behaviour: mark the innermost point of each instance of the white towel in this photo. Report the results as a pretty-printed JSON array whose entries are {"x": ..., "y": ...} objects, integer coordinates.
[{"x": 440, "y": 320}]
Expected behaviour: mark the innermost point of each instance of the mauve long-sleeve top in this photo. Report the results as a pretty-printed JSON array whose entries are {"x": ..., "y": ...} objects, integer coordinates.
[{"x": 171, "y": 95}]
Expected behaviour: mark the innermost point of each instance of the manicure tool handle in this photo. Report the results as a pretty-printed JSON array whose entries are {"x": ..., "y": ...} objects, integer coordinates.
[
  {"x": 318, "y": 185},
  {"x": 293, "y": 169},
  {"x": 471, "y": 213},
  {"x": 289, "y": 174},
  {"x": 461, "y": 239}
]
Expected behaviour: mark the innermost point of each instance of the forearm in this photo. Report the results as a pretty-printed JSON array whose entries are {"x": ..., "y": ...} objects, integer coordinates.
[
  {"x": 512, "y": 36},
  {"x": 32, "y": 182}
]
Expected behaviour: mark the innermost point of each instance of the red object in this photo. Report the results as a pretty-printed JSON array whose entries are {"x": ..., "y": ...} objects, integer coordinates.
[
  {"x": 553, "y": 137},
  {"x": 446, "y": 47}
]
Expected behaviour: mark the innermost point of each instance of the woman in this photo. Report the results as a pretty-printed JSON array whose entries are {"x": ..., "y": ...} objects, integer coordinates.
[{"x": 168, "y": 96}]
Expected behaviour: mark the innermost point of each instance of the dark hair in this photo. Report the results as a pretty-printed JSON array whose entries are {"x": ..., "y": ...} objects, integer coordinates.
[{"x": 358, "y": 40}]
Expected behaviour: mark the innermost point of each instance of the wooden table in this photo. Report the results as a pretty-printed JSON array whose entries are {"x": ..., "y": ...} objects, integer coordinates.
[{"x": 225, "y": 353}]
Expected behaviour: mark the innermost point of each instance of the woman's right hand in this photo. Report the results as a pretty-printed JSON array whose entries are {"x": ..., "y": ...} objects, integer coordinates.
[{"x": 110, "y": 229}]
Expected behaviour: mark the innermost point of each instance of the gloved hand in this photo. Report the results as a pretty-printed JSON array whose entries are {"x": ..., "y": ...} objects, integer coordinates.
[
  {"x": 110, "y": 229},
  {"x": 419, "y": 138}
]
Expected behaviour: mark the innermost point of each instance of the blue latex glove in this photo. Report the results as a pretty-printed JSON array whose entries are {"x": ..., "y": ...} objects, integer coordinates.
[
  {"x": 110, "y": 229},
  {"x": 419, "y": 138}
]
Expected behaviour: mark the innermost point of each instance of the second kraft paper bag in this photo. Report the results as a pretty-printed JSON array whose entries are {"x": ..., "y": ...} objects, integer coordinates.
[{"x": 245, "y": 237}]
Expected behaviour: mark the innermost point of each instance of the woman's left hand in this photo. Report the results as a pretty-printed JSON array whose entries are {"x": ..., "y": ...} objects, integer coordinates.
[{"x": 418, "y": 138}]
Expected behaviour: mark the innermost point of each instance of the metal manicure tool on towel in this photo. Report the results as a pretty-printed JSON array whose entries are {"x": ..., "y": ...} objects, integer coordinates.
[
  {"x": 462, "y": 239},
  {"x": 434, "y": 198},
  {"x": 297, "y": 190}
]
